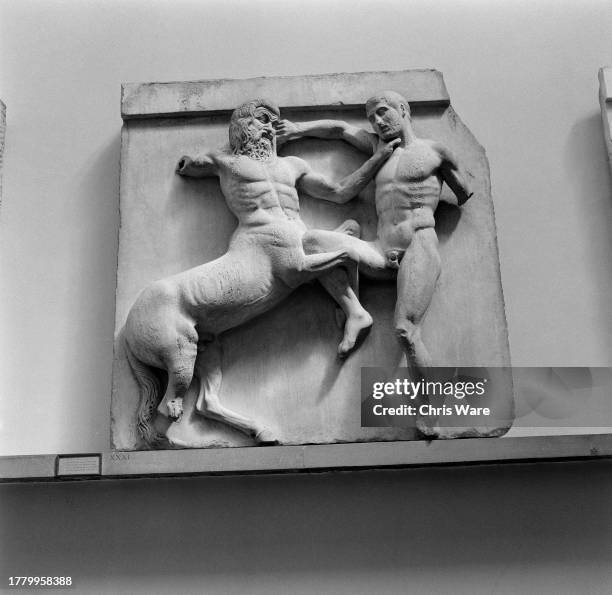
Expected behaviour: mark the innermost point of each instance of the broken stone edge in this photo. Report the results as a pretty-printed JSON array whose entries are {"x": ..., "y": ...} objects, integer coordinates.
[
  {"x": 2, "y": 135},
  {"x": 605, "y": 101}
]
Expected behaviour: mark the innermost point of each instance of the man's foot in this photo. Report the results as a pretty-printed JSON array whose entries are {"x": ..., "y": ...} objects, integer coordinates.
[
  {"x": 350, "y": 227},
  {"x": 356, "y": 329}
]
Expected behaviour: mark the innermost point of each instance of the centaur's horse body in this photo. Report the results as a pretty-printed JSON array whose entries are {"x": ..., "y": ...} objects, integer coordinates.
[{"x": 174, "y": 317}]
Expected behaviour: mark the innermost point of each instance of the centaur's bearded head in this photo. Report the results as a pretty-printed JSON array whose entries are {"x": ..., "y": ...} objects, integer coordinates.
[{"x": 251, "y": 129}]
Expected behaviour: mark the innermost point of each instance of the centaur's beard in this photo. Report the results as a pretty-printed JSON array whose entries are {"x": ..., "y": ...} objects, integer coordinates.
[{"x": 260, "y": 150}]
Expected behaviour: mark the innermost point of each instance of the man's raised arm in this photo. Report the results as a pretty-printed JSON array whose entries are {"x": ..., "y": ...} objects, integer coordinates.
[
  {"x": 202, "y": 166},
  {"x": 341, "y": 192},
  {"x": 330, "y": 129}
]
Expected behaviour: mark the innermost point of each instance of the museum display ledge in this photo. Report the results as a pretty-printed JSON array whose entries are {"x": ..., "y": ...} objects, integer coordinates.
[{"x": 307, "y": 458}]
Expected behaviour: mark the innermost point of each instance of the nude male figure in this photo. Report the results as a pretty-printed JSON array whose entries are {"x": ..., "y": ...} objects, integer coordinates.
[
  {"x": 175, "y": 318},
  {"x": 408, "y": 190}
]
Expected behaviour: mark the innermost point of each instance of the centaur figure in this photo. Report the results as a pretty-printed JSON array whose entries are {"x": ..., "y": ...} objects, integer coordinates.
[{"x": 271, "y": 252}]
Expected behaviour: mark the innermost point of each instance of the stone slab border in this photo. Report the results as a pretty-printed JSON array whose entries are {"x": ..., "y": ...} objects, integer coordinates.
[{"x": 315, "y": 92}]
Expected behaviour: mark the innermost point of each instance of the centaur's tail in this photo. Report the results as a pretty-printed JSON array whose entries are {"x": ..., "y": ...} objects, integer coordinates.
[{"x": 150, "y": 388}]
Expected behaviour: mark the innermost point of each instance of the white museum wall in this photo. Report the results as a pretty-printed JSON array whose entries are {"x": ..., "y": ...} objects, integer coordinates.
[{"x": 522, "y": 76}]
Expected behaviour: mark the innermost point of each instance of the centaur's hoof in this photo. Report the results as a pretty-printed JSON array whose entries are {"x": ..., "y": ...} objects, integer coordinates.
[
  {"x": 266, "y": 438},
  {"x": 175, "y": 408}
]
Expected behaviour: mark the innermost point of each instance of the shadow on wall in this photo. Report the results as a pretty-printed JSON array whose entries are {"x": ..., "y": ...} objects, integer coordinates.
[
  {"x": 592, "y": 190},
  {"x": 507, "y": 529},
  {"x": 88, "y": 365}
]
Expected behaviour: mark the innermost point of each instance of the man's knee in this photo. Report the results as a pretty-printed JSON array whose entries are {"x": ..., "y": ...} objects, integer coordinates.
[{"x": 406, "y": 330}]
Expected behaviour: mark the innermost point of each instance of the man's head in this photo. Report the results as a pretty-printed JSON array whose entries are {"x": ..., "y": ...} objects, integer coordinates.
[
  {"x": 389, "y": 114},
  {"x": 251, "y": 129}
]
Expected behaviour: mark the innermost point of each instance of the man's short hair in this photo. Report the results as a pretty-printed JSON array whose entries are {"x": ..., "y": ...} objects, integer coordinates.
[
  {"x": 391, "y": 98},
  {"x": 238, "y": 133}
]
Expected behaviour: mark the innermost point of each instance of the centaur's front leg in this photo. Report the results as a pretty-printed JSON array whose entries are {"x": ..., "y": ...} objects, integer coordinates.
[
  {"x": 208, "y": 404},
  {"x": 316, "y": 264},
  {"x": 342, "y": 282},
  {"x": 312, "y": 266}
]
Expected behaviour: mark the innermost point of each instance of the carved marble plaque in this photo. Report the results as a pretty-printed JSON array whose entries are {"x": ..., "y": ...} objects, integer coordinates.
[{"x": 282, "y": 367}]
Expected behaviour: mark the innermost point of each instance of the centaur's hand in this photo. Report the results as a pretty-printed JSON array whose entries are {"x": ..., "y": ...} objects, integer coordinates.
[
  {"x": 385, "y": 150},
  {"x": 286, "y": 130},
  {"x": 183, "y": 165}
]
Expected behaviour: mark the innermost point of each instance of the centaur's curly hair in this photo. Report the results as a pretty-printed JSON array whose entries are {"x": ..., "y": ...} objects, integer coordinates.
[{"x": 239, "y": 134}]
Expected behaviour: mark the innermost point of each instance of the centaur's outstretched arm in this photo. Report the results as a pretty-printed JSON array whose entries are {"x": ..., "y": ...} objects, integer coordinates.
[
  {"x": 202, "y": 166},
  {"x": 341, "y": 192},
  {"x": 332, "y": 129}
]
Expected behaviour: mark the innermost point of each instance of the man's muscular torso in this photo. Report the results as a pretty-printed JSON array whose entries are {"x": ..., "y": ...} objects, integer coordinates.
[{"x": 408, "y": 188}]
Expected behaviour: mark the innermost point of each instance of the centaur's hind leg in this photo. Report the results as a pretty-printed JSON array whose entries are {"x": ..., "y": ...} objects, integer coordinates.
[
  {"x": 208, "y": 404},
  {"x": 179, "y": 351}
]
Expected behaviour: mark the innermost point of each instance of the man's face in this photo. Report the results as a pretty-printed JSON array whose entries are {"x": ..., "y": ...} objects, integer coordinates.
[{"x": 386, "y": 121}]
